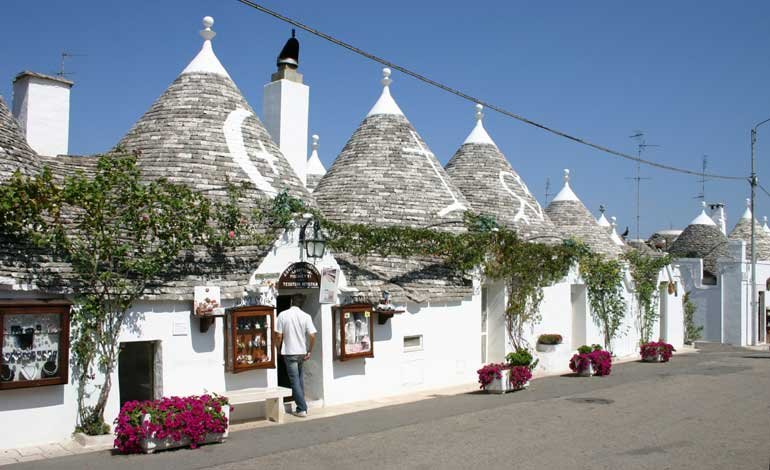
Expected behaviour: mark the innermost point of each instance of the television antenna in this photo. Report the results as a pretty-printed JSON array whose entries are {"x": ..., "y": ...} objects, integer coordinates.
[
  {"x": 703, "y": 179},
  {"x": 547, "y": 189},
  {"x": 641, "y": 145},
  {"x": 64, "y": 56}
]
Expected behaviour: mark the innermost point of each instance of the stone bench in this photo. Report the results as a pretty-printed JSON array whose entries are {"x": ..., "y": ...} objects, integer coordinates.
[{"x": 273, "y": 398}]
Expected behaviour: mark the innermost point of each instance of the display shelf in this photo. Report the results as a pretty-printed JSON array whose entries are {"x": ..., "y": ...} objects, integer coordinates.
[
  {"x": 353, "y": 331},
  {"x": 249, "y": 338}
]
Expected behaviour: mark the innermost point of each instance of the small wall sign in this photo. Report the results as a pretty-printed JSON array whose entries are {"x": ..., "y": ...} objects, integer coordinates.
[
  {"x": 301, "y": 275},
  {"x": 329, "y": 280}
]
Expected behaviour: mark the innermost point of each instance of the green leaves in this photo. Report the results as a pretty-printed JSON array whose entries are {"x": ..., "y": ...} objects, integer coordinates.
[
  {"x": 603, "y": 278},
  {"x": 644, "y": 272}
]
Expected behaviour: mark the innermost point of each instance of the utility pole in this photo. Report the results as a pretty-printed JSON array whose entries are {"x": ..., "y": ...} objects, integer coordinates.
[
  {"x": 641, "y": 145},
  {"x": 756, "y": 335}
]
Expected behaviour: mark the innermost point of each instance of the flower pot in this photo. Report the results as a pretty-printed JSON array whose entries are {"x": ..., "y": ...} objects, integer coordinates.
[
  {"x": 656, "y": 358},
  {"x": 587, "y": 372},
  {"x": 501, "y": 385},
  {"x": 151, "y": 444},
  {"x": 549, "y": 348}
]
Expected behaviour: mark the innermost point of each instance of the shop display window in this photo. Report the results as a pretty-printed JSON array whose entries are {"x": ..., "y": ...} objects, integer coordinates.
[
  {"x": 34, "y": 344},
  {"x": 250, "y": 338},
  {"x": 354, "y": 331}
]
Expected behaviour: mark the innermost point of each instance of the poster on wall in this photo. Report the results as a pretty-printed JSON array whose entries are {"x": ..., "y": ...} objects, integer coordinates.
[
  {"x": 329, "y": 281},
  {"x": 207, "y": 301}
]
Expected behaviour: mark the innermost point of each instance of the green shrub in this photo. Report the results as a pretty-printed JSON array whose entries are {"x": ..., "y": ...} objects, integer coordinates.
[
  {"x": 521, "y": 357},
  {"x": 587, "y": 349},
  {"x": 549, "y": 339}
]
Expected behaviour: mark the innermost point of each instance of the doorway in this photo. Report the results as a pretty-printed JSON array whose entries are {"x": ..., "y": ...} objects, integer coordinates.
[
  {"x": 136, "y": 371},
  {"x": 282, "y": 302}
]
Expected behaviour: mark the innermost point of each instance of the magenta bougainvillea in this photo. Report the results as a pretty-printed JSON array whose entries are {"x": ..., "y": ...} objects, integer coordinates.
[
  {"x": 188, "y": 417},
  {"x": 600, "y": 359},
  {"x": 653, "y": 348},
  {"x": 519, "y": 375},
  {"x": 490, "y": 372}
]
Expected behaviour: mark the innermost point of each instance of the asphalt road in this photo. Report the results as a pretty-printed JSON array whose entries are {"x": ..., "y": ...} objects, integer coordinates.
[{"x": 709, "y": 410}]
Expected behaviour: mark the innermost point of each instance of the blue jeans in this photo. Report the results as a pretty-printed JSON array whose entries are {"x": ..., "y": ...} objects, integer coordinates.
[{"x": 294, "y": 369}]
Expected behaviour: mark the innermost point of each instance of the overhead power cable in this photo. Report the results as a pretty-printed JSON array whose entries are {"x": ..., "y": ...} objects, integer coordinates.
[
  {"x": 763, "y": 189},
  {"x": 473, "y": 99}
]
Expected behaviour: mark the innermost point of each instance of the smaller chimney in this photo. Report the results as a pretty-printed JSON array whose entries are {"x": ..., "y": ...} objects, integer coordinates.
[
  {"x": 719, "y": 216},
  {"x": 41, "y": 104}
]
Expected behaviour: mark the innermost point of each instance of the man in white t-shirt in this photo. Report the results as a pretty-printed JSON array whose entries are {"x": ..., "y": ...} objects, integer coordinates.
[{"x": 295, "y": 335}]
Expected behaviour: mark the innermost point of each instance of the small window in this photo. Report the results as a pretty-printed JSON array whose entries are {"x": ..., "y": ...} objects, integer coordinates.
[{"x": 413, "y": 343}]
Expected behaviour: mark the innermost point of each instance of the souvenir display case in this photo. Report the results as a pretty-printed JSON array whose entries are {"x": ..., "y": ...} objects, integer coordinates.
[
  {"x": 353, "y": 331},
  {"x": 34, "y": 344},
  {"x": 249, "y": 338}
]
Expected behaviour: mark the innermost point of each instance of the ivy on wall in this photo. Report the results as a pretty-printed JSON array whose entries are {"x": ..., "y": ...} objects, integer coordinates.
[
  {"x": 644, "y": 271},
  {"x": 604, "y": 278}
]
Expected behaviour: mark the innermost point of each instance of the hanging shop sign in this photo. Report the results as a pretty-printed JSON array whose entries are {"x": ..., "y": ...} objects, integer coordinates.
[
  {"x": 329, "y": 280},
  {"x": 301, "y": 275}
]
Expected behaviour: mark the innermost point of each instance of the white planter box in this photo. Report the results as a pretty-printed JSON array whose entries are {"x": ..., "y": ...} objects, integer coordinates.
[
  {"x": 550, "y": 348},
  {"x": 150, "y": 444},
  {"x": 587, "y": 372},
  {"x": 503, "y": 384},
  {"x": 656, "y": 358}
]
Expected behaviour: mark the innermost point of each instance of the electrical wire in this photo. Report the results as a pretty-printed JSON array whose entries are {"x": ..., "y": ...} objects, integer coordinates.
[{"x": 473, "y": 99}]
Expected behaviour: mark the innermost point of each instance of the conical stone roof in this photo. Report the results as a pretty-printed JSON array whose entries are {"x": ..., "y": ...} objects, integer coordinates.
[
  {"x": 387, "y": 176},
  {"x": 492, "y": 187},
  {"x": 203, "y": 133},
  {"x": 574, "y": 220},
  {"x": 742, "y": 231},
  {"x": 15, "y": 153},
  {"x": 701, "y": 239}
]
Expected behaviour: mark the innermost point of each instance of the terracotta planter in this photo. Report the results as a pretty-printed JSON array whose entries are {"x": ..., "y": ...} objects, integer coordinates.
[{"x": 151, "y": 444}]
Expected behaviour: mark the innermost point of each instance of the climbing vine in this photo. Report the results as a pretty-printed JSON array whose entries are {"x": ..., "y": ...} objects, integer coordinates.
[
  {"x": 603, "y": 278},
  {"x": 644, "y": 271}
]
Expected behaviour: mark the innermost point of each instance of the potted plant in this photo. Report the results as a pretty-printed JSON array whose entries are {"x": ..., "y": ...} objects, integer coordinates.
[
  {"x": 549, "y": 342},
  {"x": 512, "y": 375},
  {"x": 591, "y": 360},
  {"x": 171, "y": 422},
  {"x": 656, "y": 351}
]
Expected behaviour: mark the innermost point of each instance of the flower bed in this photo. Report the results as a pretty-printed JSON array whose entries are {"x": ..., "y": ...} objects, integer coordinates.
[
  {"x": 656, "y": 351},
  {"x": 171, "y": 422},
  {"x": 593, "y": 360}
]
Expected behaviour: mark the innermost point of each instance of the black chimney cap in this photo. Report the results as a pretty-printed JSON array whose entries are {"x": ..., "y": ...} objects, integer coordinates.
[{"x": 290, "y": 53}]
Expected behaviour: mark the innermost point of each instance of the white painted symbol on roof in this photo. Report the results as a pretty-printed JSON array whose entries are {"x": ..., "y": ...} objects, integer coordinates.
[
  {"x": 266, "y": 156},
  {"x": 420, "y": 150},
  {"x": 234, "y": 138},
  {"x": 523, "y": 202}
]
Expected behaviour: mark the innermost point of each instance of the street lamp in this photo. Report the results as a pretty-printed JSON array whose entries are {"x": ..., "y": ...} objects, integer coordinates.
[
  {"x": 754, "y": 307},
  {"x": 315, "y": 246}
]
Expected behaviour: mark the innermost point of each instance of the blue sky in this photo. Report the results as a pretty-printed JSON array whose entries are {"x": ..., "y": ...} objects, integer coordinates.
[{"x": 694, "y": 75}]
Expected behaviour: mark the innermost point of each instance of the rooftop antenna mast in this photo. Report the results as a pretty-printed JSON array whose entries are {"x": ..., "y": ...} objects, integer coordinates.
[
  {"x": 66, "y": 55},
  {"x": 641, "y": 144},
  {"x": 547, "y": 190},
  {"x": 703, "y": 179}
]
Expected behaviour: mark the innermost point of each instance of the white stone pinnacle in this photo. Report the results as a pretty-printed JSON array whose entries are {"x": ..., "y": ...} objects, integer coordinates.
[
  {"x": 314, "y": 165},
  {"x": 479, "y": 135},
  {"x": 206, "y": 61},
  {"x": 703, "y": 218},
  {"x": 566, "y": 193},
  {"x": 747, "y": 212},
  {"x": 385, "y": 104}
]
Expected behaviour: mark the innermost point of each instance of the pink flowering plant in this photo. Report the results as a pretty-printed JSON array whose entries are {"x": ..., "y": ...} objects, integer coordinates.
[
  {"x": 490, "y": 372},
  {"x": 187, "y": 417},
  {"x": 595, "y": 356},
  {"x": 653, "y": 348},
  {"x": 520, "y": 375}
]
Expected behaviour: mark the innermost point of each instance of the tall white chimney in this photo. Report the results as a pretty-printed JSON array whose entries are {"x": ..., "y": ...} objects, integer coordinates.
[
  {"x": 285, "y": 108},
  {"x": 41, "y": 104},
  {"x": 719, "y": 216}
]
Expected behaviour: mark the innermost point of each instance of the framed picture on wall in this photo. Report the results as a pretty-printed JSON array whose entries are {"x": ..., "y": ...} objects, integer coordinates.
[
  {"x": 353, "y": 331},
  {"x": 34, "y": 346}
]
